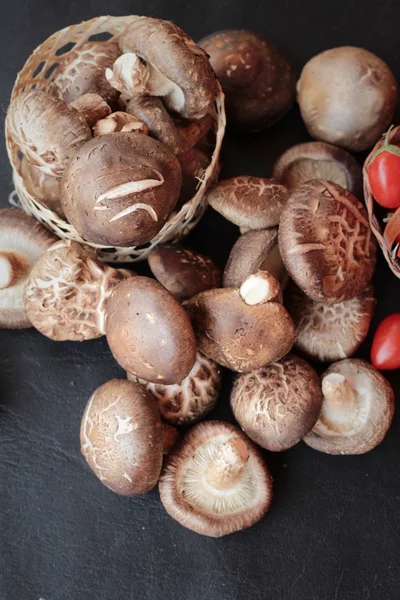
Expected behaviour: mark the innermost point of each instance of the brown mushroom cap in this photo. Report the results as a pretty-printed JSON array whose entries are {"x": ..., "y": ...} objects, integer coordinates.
[
  {"x": 92, "y": 108},
  {"x": 170, "y": 437},
  {"x": 149, "y": 332},
  {"x": 326, "y": 243},
  {"x": 258, "y": 82},
  {"x": 347, "y": 97},
  {"x": 329, "y": 333},
  {"x": 162, "y": 127},
  {"x": 44, "y": 188},
  {"x": 121, "y": 437},
  {"x": 82, "y": 71},
  {"x": 22, "y": 241},
  {"x": 357, "y": 409},
  {"x": 182, "y": 271},
  {"x": 216, "y": 482},
  {"x": 238, "y": 335},
  {"x": 193, "y": 398},
  {"x": 173, "y": 57},
  {"x": 46, "y": 130},
  {"x": 254, "y": 251},
  {"x": 120, "y": 188},
  {"x": 67, "y": 290},
  {"x": 317, "y": 160},
  {"x": 251, "y": 202},
  {"x": 277, "y": 405}
]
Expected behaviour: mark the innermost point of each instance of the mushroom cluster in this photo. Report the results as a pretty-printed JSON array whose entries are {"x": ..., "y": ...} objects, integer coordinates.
[
  {"x": 81, "y": 154},
  {"x": 115, "y": 144}
]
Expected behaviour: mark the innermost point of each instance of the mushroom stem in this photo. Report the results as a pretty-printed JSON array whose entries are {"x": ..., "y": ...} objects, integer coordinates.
[
  {"x": 259, "y": 288},
  {"x": 228, "y": 465},
  {"x": 12, "y": 269},
  {"x": 131, "y": 76},
  {"x": 340, "y": 399}
]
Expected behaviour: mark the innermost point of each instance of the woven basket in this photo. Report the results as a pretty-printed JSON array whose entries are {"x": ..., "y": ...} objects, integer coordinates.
[
  {"x": 39, "y": 71},
  {"x": 385, "y": 226}
]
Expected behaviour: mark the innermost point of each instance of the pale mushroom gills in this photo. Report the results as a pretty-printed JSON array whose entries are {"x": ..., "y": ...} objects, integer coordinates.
[
  {"x": 215, "y": 482},
  {"x": 22, "y": 242},
  {"x": 317, "y": 160},
  {"x": 357, "y": 409}
]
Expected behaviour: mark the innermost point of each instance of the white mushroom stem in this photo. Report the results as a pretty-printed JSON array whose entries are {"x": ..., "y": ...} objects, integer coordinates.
[
  {"x": 259, "y": 288},
  {"x": 340, "y": 399},
  {"x": 131, "y": 76},
  {"x": 12, "y": 269},
  {"x": 227, "y": 467}
]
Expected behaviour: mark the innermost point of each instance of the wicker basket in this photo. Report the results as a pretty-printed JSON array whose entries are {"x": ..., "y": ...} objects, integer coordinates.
[
  {"x": 39, "y": 71},
  {"x": 385, "y": 226}
]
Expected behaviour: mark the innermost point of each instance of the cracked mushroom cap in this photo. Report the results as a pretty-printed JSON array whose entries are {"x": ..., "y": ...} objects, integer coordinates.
[
  {"x": 277, "y": 405},
  {"x": 326, "y": 243},
  {"x": 317, "y": 160},
  {"x": 120, "y": 188},
  {"x": 67, "y": 290},
  {"x": 149, "y": 333},
  {"x": 182, "y": 271},
  {"x": 190, "y": 400},
  {"x": 45, "y": 188},
  {"x": 257, "y": 80},
  {"x": 22, "y": 242},
  {"x": 121, "y": 437},
  {"x": 46, "y": 130},
  {"x": 329, "y": 333},
  {"x": 250, "y": 202},
  {"x": 242, "y": 329},
  {"x": 254, "y": 251},
  {"x": 347, "y": 96},
  {"x": 82, "y": 71},
  {"x": 357, "y": 409},
  {"x": 181, "y": 67},
  {"x": 215, "y": 481}
]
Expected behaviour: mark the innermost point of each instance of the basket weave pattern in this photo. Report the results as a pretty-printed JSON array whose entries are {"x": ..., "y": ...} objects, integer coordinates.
[{"x": 38, "y": 72}]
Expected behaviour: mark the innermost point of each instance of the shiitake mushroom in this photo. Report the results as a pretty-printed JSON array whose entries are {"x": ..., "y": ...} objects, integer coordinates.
[
  {"x": 326, "y": 243},
  {"x": 347, "y": 97},
  {"x": 257, "y": 80}
]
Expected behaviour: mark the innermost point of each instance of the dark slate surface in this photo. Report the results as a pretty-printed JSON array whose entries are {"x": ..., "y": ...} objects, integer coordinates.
[{"x": 333, "y": 530}]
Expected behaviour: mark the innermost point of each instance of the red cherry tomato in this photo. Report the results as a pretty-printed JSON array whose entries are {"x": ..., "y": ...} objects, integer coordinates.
[
  {"x": 385, "y": 352},
  {"x": 384, "y": 174}
]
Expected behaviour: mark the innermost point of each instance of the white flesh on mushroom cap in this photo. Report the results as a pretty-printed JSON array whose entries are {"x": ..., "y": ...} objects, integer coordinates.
[
  {"x": 131, "y": 76},
  {"x": 259, "y": 288}
]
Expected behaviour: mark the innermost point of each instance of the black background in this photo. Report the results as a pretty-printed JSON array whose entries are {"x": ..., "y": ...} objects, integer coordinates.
[{"x": 333, "y": 530}]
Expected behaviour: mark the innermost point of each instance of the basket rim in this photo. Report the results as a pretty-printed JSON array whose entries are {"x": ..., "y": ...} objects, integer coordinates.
[
  {"x": 377, "y": 227},
  {"x": 49, "y": 217}
]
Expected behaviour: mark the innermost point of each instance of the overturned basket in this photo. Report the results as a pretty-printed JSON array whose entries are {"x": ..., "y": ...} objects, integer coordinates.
[
  {"x": 39, "y": 72},
  {"x": 385, "y": 225}
]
